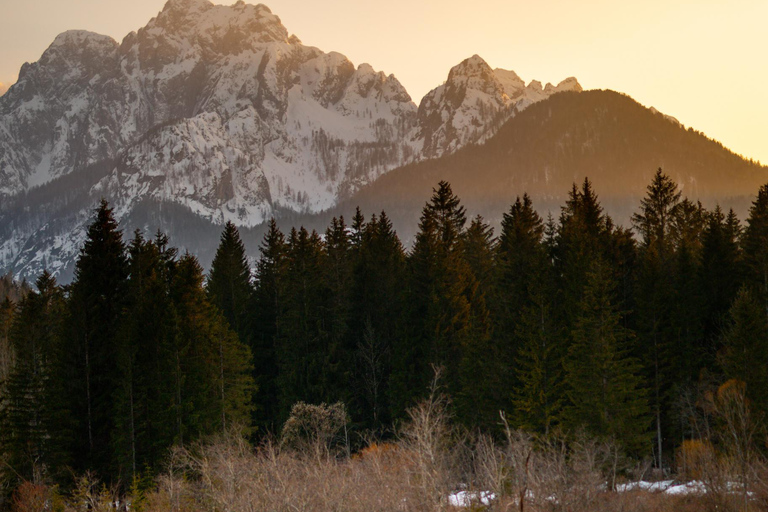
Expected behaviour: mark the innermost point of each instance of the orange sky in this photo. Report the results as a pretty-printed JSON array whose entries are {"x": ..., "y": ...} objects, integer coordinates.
[{"x": 702, "y": 61}]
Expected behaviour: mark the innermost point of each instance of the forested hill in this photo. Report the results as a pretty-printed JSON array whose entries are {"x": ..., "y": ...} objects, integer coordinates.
[{"x": 603, "y": 135}]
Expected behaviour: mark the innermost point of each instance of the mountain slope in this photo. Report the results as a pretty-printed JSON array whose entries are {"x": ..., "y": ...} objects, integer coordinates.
[{"x": 603, "y": 135}]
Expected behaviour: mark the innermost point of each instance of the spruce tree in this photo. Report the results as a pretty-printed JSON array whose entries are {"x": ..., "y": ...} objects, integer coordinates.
[
  {"x": 755, "y": 247},
  {"x": 211, "y": 369},
  {"x": 604, "y": 390},
  {"x": 744, "y": 356},
  {"x": 481, "y": 372},
  {"x": 719, "y": 278},
  {"x": 439, "y": 310},
  {"x": 144, "y": 427},
  {"x": 377, "y": 322},
  {"x": 33, "y": 436},
  {"x": 94, "y": 309},
  {"x": 523, "y": 262},
  {"x": 339, "y": 350},
  {"x": 229, "y": 281},
  {"x": 302, "y": 325},
  {"x": 270, "y": 270},
  {"x": 655, "y": 294}
]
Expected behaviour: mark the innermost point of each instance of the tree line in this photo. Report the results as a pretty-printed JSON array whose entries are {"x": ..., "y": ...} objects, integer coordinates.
[{"x": 565, "y": 324}]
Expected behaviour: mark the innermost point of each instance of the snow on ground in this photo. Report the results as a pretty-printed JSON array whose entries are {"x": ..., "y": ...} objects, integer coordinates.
[{"x": 465, "y": 499}]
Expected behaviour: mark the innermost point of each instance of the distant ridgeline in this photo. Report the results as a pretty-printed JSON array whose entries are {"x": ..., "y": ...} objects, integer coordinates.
[{"x": 569, "y": 323}]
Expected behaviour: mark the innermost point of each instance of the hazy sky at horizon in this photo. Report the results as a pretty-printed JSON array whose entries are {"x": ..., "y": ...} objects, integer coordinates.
[{"x": 701, "y": 61}]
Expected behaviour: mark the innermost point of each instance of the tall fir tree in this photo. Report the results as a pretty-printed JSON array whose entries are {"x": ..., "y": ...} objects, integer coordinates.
[
  {"x": 33, "y": 435},
  {"x": 303, "y": 330},
  {"x": 339, "y": 350},
  {"x": 744, "y": 355},
  {"x": 211, "y": 369},
  {"x": 377, "y": 314},
  {"x": 719, "y": 278},
  {"x": 481, "y": 372},
  {"x": 439, "y": 312},
  {"x": 523, "y": 268},
  {"x": 605, "y": 392},
  {"x": 687, "y": 229},
  {"x": 755, "y": 247},
  {"x": 229, "y": 282},
  {"x": 656, "y": 295},
  {"x": 94, "y": 308},
  {"x": 265, "y": 320},
  {"x": 143, "y": 399}
]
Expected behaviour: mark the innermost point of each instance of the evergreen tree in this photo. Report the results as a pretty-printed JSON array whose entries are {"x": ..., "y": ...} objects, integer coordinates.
[
  {"x": 524, "y": 267},
  {"x": 94, "y": 308},
  {"x": 32, "y": 438},
  {"x": 719, "y": 278},
  {"x": 144, "y": 427},
  {"x": 270, "y": 270},
  {"x": 339, "y": 352},
  {"x": 538, "y": 391},
  {"x": 481, "y": 372},
  {"x": 755, "y": 247},
  {"x": 656, "y": 294},
  {"x": 212, "y": 368},
  {"x": 745, "y": 352},
  {"x": 604, "y": 390},
  {"x": 687, "y": 228},
  {"x": 439, "y": 310},
  {"x": 582, "y": 238},
  {"x": 377, "y": 314},
  {"x": 299, "y": 349},
  {"x": 7, "y": 312},
  {"x": 229, "y": 282}
]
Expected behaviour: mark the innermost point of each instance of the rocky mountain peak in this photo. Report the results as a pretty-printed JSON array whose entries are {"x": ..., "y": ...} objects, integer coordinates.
[
  {"x": 224, "y": 29},
  {"x": 473, "y": 103}
]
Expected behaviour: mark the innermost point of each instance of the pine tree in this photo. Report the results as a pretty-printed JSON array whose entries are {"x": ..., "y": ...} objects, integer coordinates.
[
  {"x": 229, "y": 282},
  {"x": 94, "y": 308},
  {"x": 604, "y": 390}
]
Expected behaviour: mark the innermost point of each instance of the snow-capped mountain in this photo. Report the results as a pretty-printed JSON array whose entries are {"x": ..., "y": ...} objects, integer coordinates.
[
  {"x": 220, "y": 110},
  {"x": 473, "y": 103},
  {"x": 243, "y": 117}
]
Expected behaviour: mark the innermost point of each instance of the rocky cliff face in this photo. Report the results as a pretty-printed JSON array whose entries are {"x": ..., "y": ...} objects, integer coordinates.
[
  {"x": 473, "y": 103},
  {"x": 220, "y": 110}
]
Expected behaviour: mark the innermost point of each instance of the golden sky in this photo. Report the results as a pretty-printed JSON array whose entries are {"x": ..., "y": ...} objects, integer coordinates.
[{"x": 704, "y": 62}]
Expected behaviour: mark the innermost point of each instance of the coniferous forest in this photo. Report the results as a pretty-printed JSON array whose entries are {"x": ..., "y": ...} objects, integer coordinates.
[{"x": 563, "y": 325}]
